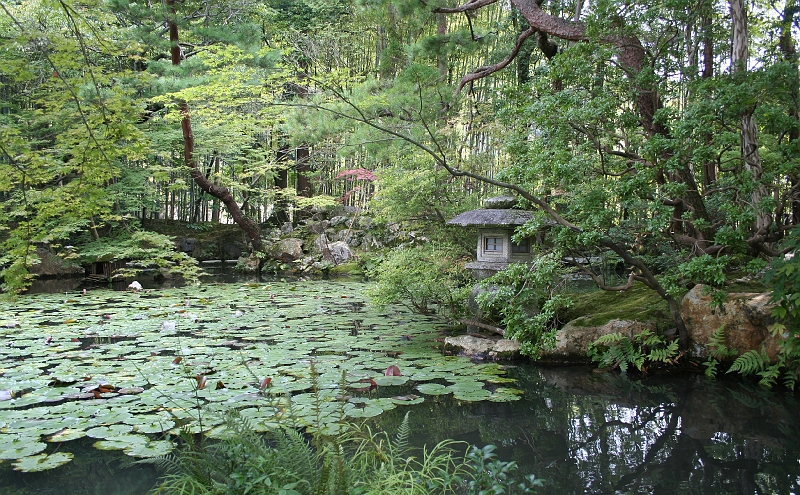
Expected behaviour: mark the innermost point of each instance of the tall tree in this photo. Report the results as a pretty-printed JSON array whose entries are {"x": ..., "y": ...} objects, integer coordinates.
[{"x": 218, "y": 191}]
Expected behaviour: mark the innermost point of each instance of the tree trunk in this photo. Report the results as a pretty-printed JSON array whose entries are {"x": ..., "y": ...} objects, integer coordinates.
[
  {"x": 222, "y": 193},
  {"x": 789, "y": 53},
  {"x": 749, "y": 128},
  {"x": 709, "y": 168}
]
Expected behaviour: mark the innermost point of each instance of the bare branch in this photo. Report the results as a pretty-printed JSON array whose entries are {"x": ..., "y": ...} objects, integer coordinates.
[
  {"x": 476, "y": 323},
  {"x": 470, "y": 6},
  {"x": 487, "y": 70}
]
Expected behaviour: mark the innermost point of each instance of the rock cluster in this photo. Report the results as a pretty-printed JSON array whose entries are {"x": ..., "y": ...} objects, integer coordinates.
[
  {"x": 744, "y": 317},
  {"x": 476, "y": 347}
]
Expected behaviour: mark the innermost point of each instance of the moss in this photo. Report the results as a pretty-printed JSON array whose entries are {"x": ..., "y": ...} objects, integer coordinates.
[
  {"x": 741, "y": 282},
  {"x": 350, "y": 268},
  {"x": 599, "y": 307}
]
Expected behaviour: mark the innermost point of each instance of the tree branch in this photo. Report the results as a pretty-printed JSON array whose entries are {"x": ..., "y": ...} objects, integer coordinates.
[
  {"x": 470, "y": 6},
  {"x": 487, "y": 70}
]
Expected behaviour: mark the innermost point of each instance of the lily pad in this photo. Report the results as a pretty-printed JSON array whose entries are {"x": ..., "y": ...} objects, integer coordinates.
[
  {"x": 20, "y": 447},
  {"x": 108, "y": 431},
  {"x": 66, "y": 435},
  {"x": 384, "y": 381},
  {"x": 433, "y": 389},
  {"x": 42, "y": 462},
  {"x": 154, "y": 448},
  {"x": 117, "y": 372}
]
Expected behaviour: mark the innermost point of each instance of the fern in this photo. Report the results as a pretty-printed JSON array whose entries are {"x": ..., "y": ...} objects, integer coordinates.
[
  {"x": 609, "y": 338},
  {"x": 664, "y": 354},
  {"x": 711, "y": 365},
  {"x": 616, "y": 350},
  {"x": 750, "y": 362},
  {"x": 401, "y": 446}
]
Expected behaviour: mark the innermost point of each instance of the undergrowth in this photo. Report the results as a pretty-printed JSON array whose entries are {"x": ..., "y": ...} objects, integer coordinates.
[
  {"x": 645, "y": 349},
  {"x": 351, "y": 459}
]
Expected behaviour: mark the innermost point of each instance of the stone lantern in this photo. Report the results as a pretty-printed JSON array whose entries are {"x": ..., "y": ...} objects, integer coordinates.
[{"x": 496, "y": 223}]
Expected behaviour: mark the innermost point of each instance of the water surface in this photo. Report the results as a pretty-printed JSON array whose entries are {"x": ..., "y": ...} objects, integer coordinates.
[{"x": 581, "y": 431}]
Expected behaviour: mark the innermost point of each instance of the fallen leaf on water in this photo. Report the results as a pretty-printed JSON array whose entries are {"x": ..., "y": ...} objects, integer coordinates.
[
  {"x": 392, "y": 370},
  {"x": 177, "y": 360}
]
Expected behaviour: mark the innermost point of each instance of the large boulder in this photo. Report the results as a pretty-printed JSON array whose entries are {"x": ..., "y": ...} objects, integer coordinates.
[
  {"x": 318, "y": 227},
  {"x": 573, "y": 339},
  {"x": 481, "y": 348},
  {"x": 187, "y": 244},
  {"x": 52, "y": 266},
  {"x": 336, "y": 252},
  {"x": 746, "y": 318},
  {"x": 287, "y": 250},
  {"x": 248, "y": 264}
]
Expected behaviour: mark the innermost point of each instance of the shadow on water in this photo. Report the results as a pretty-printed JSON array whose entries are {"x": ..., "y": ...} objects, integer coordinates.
[
  {"x": 602, "y": 433},
  {"x": 92, "y": 472},
  {"x": 214, "y": 273},
  {"x": 582, "y": 432}
]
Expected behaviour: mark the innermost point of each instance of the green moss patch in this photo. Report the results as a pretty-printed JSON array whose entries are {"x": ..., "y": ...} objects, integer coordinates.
[{"x": 598, "y": 307}]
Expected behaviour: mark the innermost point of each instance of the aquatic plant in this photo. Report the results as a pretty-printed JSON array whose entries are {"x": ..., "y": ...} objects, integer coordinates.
[{"x": 131, "y": 369}]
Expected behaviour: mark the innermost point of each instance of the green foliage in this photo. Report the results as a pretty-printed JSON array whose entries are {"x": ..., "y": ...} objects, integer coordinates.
[
  {"x": 717, "y": 351},
  {"x": 348, "y": 459},
  {"x": 783, "y": 277},
  {"x": 427, "y": 278},
  {"x": 490, "y": 475},
  {"x": 528, "y": 298},
  {"x": 616, "y": 350},
  {"x": 750, "y": 362},
  {"x": 144, "y": 248}
]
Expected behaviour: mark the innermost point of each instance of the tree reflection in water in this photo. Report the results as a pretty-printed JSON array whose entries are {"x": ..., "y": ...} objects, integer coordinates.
[{"x": 586, "y": 432}]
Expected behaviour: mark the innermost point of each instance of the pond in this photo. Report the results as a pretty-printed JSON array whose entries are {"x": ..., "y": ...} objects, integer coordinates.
[{"x": 90, "y": 383}]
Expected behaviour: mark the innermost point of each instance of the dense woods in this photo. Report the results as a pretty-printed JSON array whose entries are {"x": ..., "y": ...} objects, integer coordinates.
[{"x": 661, "y": 138}]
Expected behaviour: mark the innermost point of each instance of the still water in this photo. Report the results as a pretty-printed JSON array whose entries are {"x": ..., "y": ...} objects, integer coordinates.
[{"x": 581, "y": 431}]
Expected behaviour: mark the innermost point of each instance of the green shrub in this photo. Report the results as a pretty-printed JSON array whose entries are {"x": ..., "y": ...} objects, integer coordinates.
[
  {"x": 426, "y": 278},
  {"x": 528, "y": 297}
]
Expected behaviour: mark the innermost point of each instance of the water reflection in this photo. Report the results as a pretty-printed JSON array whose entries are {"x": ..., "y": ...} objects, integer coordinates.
[
  {"x": 583, "y": 432},
  {"x": 603, "y": 433}
]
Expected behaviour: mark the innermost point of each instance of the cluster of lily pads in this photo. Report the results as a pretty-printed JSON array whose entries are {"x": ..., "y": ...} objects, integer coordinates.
[{"x": 131, "y": 369}]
